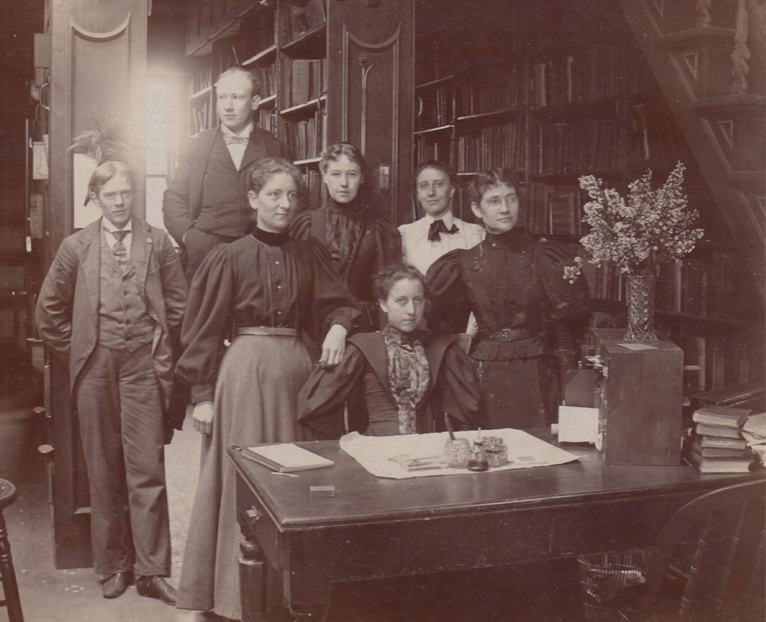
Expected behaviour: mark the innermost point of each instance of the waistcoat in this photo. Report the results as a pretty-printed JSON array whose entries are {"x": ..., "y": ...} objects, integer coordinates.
[
  {"x": 224, "y": 205},
  {"x": 123, "y": 321}
]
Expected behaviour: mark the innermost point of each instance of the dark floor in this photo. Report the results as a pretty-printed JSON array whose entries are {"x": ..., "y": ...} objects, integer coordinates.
[{"x": 530, "y": 593}]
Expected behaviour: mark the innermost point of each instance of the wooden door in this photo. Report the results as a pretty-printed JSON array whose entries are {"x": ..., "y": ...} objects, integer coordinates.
[
  {"x": 97, "y": 77},
  {"x": 371, "y": 92}
]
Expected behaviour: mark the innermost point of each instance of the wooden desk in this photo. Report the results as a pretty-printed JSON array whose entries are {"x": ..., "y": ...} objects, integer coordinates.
[{"x": 375, "y": 528}]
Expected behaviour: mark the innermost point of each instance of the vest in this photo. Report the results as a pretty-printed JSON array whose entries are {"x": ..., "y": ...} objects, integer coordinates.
[
  {"x": 224, "y": 208},
  {"x": 123, "y": 321}
]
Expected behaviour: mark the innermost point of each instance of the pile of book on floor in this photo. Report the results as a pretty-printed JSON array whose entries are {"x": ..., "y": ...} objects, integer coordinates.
[{"x": 717, "y": 444}]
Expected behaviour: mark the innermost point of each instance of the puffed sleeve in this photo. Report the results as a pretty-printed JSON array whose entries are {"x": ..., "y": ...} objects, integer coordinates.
[
  {"x": 320, "y": 401},
  {"x": 300, "y": 227},
  {"x": 448, "y": 310},
  {"x": 457, "y": 389},
  {"x": 388, "y": 242},
  {"x": 332, "y": 303},
  {"x": 569, "y": 302},
  {"x": 206, "y": 323}
]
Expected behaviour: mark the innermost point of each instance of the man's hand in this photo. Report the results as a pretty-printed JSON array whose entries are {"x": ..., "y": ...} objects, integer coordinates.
[
  {"x": 333, "y": 347},
  {"x": 203, "y": 416}
]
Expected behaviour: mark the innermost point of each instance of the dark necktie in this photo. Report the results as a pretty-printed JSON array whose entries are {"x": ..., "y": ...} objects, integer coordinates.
[
  {"x": 235, "y": 140},
  {"x": 119, "y": 250},
  {"x": 437, "y": 227}
]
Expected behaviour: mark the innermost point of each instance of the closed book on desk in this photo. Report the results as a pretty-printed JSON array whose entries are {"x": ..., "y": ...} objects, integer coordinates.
[
  {"x": 729, "y": 443},
  {"x": 286, "y": 457},
  {"x": 703, "y": 429},
  {"x": 718, "y": 465},
  {"x": 725, "y": 416},
  {"x": 717, "y": 452}
]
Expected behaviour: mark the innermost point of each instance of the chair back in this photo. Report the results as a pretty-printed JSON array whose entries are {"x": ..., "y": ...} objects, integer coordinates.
[{"x": 708, "y": 562}]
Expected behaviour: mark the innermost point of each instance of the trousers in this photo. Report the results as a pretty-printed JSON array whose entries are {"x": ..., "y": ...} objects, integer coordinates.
[{"x": 121, "y": 426}]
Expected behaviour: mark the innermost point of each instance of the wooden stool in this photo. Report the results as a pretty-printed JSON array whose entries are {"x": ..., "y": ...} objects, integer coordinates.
[{"x": 7, "y": 574}]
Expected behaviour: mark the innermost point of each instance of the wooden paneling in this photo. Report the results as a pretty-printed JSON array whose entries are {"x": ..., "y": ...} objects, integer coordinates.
[{"x": 97, "y": 76}]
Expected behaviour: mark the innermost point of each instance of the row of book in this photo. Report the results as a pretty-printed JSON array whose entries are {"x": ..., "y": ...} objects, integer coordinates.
[
  {"x": 714, "y": 361},
  {"x": 589, "y": 146},
  {"x": 436, "y": 109},
  {"x": 502, "y": 146},
  {"x": 482, "y": 92},
  {"x": 303, "y": 18},
  {"x": 592, "y": 74},
  {"x": 201, "y": 77},
  {"x": 202, "y": 117},
  {"x": 305, "y": 79},
  {"x": 306, "y": 137},
  {"x": 713, "y": 284},
  {"x": 717, "y": 444},
  {"x": 428, "y": 150},
  {"x": 256, "y": 35},
  {"x": 265, "y": 76},
  {"x": 312, "y": 179},
  {"x": 554, "y": 209}
]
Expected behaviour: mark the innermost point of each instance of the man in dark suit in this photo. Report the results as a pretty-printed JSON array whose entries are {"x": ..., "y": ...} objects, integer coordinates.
[
  {"x": 114, "y": 293},
  {"x": 206, "y": 201}
]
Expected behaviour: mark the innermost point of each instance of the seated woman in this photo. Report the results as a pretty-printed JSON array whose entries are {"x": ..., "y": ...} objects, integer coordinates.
[
  {"x": 410, "y": 377},
  {"x": 273, "y": 290},
  {"x": 529, "y": 315}
]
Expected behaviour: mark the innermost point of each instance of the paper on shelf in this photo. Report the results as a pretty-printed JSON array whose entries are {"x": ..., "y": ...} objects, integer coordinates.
[{"x": 374, "y": 453}]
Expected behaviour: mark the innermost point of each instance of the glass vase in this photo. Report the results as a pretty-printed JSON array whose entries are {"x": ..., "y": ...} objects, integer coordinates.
[{"x": 641, "y": 309}]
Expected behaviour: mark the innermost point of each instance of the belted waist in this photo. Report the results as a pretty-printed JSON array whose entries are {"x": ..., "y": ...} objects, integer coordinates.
[
  {"x": 506, "y": 334},
  {"x": 267, "y": 330}
]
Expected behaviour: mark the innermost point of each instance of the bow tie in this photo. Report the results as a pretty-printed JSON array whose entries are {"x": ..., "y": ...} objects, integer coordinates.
[
  {"x": 235, "y": 140},
  {"x": 437, "y": 227}
]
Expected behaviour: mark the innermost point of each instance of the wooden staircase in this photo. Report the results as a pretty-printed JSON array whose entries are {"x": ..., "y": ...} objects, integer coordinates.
[{"x": 708, "y": 58}]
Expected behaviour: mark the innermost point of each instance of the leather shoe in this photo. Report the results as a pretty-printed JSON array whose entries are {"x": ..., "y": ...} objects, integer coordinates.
[
  {"x": 156, "y": 587},
  {"x": 116, "y": 585}
]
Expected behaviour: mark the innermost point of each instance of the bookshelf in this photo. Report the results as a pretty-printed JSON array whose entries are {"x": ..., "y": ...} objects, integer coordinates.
[
  {"x": 315, "y": 91},
  {"x": 564, "y": 98}
]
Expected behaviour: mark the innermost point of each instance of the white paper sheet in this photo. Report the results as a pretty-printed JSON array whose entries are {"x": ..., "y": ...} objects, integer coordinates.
[{"x": 374, "y": 453}]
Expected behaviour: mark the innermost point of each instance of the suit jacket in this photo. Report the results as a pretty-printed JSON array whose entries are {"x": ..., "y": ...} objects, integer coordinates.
[
  {"x": 67, "y": 308},
  {"x": 182, "y": 201}
]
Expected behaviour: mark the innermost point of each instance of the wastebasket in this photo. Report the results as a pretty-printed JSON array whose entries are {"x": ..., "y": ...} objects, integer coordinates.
[{"x": 604, "y": 575}]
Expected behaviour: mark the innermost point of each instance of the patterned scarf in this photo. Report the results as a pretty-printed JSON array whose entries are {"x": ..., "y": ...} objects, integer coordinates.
[{"x": 408, "y": 374}]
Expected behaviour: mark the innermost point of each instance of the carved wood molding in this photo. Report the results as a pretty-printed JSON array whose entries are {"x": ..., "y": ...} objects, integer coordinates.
[
  {"x": 103, "y": 36},
  {"x": 741, "y": 54}
]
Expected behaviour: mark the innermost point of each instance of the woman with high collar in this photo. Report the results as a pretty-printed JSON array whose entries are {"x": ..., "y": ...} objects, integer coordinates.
[
  {"x": 410, "y": 377},
  {"x": 529, "y": 315},
  {"x": 360, "y": 241},
  {"x": 269, "y": 291}
]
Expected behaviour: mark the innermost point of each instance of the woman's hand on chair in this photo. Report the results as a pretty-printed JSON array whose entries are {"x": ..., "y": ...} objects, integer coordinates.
[{"x": 333, "y": 346}]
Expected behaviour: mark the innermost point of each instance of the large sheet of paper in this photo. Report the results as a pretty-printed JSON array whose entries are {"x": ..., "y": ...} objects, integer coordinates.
[{"x": 383, "y": 455}]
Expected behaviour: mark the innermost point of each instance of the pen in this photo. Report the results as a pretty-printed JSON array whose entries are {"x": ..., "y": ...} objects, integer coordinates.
[{"x": 285, "y": 474}]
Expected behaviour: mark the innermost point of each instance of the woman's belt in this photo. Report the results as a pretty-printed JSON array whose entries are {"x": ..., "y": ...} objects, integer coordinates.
[
  {"x": 267, "y": 330},
  {"x": 506, "y": 334}
]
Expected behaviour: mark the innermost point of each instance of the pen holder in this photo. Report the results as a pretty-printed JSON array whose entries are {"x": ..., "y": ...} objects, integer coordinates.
[{"x": 457, "y": 453}]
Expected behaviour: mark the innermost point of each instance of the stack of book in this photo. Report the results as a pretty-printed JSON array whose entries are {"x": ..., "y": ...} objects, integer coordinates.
[{"x": 717, "y": 445}]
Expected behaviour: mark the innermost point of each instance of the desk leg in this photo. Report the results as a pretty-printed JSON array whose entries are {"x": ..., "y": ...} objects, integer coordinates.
[
  {"x": 309, "y": 580},
  {"x": 252, "y": 577}
]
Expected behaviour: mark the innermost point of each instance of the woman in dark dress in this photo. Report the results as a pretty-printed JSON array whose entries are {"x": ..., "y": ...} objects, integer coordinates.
[
  {"x": 360, "y": 241},
  {"x": 410, "y": 377},
  {"x": 271, "y": 289},
  {"x": 529, "y": 315}
]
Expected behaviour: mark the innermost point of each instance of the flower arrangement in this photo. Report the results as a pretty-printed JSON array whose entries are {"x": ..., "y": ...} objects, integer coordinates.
[{"x": 645, "y": 229}]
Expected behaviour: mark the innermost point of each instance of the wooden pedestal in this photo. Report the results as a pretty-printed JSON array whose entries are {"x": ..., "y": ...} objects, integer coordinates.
[{"x": 641, "y": 399}]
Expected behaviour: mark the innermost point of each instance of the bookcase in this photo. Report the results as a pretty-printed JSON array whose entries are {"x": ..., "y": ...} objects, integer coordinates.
[
  {"x": 331, "y": 70},
  {"x": 554, "y": 99}
]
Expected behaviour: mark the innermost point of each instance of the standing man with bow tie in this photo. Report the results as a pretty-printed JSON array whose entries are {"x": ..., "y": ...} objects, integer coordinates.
[
  {"x": 206, "y": 201},
  {"x": 438, "y": 232},
  {"x": 112, "y": 297}
]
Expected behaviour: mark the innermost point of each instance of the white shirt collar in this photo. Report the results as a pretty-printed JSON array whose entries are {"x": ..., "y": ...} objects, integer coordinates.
[
  {"x": 448, "y": 219},
  {"x": 245, "y": 132},
  {"x": 109, "y": 226}
]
